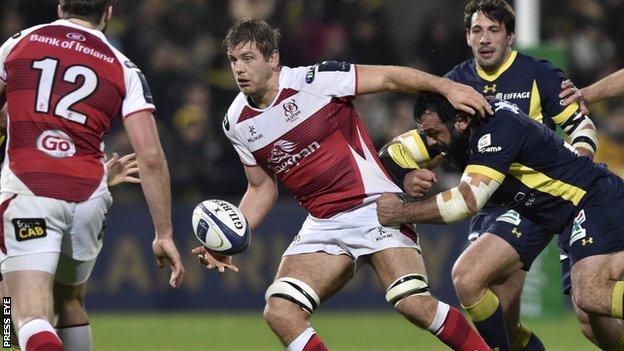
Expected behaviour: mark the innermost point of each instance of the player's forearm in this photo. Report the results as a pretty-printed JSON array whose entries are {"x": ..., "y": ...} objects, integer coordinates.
[
  {"x": 257, "y": 202},
  {"x": 424, "y": 212},
  {"x": 157, "y": 189},
  {"x": 610, "y": 86},
  {"x": 373, "y": 79},
  {"x": 411, "y": 80}
]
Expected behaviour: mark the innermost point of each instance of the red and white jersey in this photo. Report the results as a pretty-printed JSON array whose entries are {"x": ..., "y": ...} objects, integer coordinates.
[
  {"x": 312, "y": 138},
  {"x": 65, "y": 84}
]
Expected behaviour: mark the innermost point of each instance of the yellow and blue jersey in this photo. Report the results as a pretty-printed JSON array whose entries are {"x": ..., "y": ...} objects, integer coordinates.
[
  {"x": 532, "y": 84},
  {"x": 541, "y": 176}
]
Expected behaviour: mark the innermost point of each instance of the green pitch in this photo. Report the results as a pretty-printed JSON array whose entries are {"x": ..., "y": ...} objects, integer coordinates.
[{"x": 356, "y": 331}]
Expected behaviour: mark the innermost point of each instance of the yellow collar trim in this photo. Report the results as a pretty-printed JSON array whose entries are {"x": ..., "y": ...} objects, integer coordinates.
[{"x": 490, "y": 77}]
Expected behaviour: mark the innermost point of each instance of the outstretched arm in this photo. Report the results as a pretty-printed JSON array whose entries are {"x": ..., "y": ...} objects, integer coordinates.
[
  {"x": 143, "y": 135},
  {"x": 449, "y": 206},
  {"x": 609, "y": 86},
  {"x": 372, "y": 79}
]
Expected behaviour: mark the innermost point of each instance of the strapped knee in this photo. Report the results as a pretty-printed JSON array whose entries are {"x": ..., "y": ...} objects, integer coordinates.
[
  {"x": 295, "y": 291},
  {"x": 407, "y": 285}
]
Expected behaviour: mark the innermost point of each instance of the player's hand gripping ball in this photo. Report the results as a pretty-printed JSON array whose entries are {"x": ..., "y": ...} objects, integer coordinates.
[{"x": 221, "y": 227}]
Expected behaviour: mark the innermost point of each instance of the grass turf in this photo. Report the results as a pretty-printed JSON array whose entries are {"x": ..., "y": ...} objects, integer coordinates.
[{"x": 246, "y": 331}]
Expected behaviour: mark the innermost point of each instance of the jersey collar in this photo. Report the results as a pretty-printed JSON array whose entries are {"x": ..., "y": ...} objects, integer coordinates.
[
  {"x": 64, "y": 22},
  {"x": 490, "y": 77}
]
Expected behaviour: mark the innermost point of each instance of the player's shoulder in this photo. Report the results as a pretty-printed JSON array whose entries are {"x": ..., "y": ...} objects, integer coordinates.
[
  {"x": 507, "y": 116},
  {"x": 19, "y": 36},
  {"x": 461, "y": 70},
  {"x": 234, "y": 111},
  {"x": 294, "y": 77},
  {"x": 540, "y": 65}
]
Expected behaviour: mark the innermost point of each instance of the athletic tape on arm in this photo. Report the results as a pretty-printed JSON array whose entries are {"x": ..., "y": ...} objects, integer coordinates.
[
  {"x": 581, "y": 131},
  {"x": 454, "y": 208}
]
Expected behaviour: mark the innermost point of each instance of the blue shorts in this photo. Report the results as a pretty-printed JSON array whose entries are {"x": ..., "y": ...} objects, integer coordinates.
[
  {"x": 598, "y": 228},
  {"x": 526, "y": 237}
]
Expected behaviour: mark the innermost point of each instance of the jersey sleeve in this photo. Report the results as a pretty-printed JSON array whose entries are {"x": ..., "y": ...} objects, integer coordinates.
[
  {"x": 405, "y": 153},
  {"x": 5, "y": 50},
  {"x": 331, "y": 78},
  {"x": 243, "y": 152},
  {"x": 138, "y": 95},
  {"x": 494, "y": 146},
  {"x": 549, "y": 79}
]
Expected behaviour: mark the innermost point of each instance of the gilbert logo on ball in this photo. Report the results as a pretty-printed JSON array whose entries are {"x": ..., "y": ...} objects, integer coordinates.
[{"x": 221, "y": 227}]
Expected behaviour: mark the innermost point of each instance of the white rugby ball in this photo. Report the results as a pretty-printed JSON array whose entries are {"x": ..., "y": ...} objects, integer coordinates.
[{"x": 221, "y": 227}]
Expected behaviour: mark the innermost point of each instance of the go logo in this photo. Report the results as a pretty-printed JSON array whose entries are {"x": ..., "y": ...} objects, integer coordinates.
[{"x": 56, "y": 144}]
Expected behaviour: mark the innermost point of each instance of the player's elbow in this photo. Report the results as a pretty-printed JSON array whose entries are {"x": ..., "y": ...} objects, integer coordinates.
[
  {"x": 153, "y": 158},
  {"x": 470, "y": 199}
]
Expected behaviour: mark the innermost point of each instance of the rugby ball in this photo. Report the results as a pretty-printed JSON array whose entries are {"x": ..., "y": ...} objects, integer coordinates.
[{"x": 221, "y": 227}]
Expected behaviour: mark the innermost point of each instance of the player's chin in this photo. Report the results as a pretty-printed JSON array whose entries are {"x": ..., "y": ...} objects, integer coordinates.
[{"x": 246, "y": 89}]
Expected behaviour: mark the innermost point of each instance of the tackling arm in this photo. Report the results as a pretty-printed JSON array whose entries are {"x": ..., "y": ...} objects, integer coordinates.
[
  {"x": 610, "y": 86},
  {"x": 373, "y": 79},
  {"x": 449, "y": 206},
  {"x": 260, "y": 196}
]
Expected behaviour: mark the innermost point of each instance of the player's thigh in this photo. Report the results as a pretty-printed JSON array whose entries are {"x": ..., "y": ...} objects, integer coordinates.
[
  {"x": 326, "y": 274},
  {"x": 86, "y": 235},
  {"x": 597, "y": 269},
  {"x": 526, "y": 237},
  {"x": 391, "y": 264},
  {"x": 31, "y": 226},
  {"x": 31, "y": 295},
  {"x": 489, "y": 259}
]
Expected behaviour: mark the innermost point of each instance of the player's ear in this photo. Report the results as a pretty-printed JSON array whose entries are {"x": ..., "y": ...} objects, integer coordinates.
[
  {"x": 462, "y": 122},
  {"x": 512, "y": 38},
  {"x": 59, "y": 11},
  {"x": 274, "y": 59},
  {"x": 109, "y": 13}
]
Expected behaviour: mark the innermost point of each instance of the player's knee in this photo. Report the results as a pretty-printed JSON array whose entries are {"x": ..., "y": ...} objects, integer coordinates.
[
  {"x": 407, "y": 286},
  {"x": 463, "y": 279},
  {"x": 288, "y": 299},
  {"x": 68, "y": 297},
  {"x": 583, "y": 299}
]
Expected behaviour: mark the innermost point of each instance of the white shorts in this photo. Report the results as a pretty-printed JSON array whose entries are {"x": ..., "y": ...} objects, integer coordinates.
[
  {"x": 356, "y": 233},
  {"x": 39, "y": 232}
]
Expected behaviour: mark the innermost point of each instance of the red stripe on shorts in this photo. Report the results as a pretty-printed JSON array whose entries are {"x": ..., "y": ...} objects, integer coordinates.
[{"x": 3, "y": 208}]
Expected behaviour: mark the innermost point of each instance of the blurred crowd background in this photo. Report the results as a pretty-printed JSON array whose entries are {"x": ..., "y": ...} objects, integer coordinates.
[{"x": 178, "y": 45}]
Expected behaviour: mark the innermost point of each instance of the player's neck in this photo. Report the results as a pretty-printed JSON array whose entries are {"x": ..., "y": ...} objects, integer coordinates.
[
  {"x": 265, "y": 99},
  {"x": 84, "y": 23}
]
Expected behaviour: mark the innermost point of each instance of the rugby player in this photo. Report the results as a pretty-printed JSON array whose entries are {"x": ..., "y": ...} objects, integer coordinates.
[
  {"x": 516, "y": 162},
  {"x": 64, "y": 85},
  {"x": 534, "y": 85},
  {"x": 299, "y": 125}
]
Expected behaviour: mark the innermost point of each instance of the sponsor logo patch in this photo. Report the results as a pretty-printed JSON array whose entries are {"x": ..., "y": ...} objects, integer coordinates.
[
  {"x": 483, "y": 145},
  {"x": 130, "y": 64},
  {"x": 226, "y": 123},
  {"x": 56, "y": 143},
  {"x": 283, "y": 156},
  {"x": 75, "y": 36},
  {"x": 310, "y": 75},
  {"x": 291, "y": 110},
  {"x": 484, "y": 141},
  {"x": 29, "y": 228}
]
